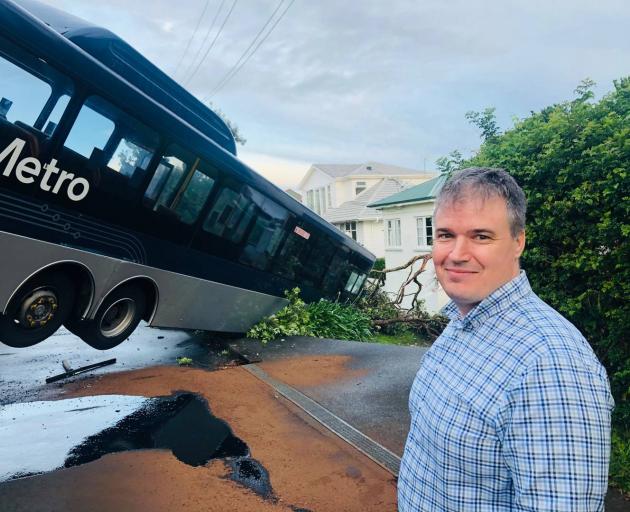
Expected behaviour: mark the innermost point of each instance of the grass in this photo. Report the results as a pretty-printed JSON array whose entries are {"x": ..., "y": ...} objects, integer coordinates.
[{"x": 406, "y": 338}]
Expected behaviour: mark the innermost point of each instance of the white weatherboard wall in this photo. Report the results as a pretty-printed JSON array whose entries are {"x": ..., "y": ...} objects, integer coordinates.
[
  {"x": 432, "y": 293},
  {"x": 373, "y": 237}
]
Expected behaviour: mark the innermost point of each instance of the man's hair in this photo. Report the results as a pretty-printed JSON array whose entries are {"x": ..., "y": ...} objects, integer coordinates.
[{"x": 486, "y": 182}]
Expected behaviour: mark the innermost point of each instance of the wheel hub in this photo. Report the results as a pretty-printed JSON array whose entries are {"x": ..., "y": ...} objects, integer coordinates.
[
  {"x": 118, "y": 317},
  {"x": 38, "y": 309}
]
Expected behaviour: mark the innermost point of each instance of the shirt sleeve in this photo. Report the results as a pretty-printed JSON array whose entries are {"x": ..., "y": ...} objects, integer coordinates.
[{"x": 556, "y": 437}]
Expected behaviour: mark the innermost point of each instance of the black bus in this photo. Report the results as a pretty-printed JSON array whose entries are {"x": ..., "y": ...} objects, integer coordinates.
[{"x": 121, "y": 199}]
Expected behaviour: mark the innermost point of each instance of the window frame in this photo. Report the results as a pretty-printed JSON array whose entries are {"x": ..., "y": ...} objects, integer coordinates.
[
  {"x": 360, "y": 185},
  {"x": 389, "y": 232},
  {"x": 424, "y": 239}
]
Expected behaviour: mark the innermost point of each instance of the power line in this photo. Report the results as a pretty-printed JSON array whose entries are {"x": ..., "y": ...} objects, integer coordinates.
[
  {"x": 205, "y": 8},
  {"x": 213, "y": 41},
  {"x": 253, "y": 41},
  {"x": 233, "y": 73},
  {"x": 205, "y": 39}
]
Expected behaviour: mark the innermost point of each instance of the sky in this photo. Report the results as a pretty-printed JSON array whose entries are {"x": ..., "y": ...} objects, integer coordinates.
[{"x": 371, "y": 80}]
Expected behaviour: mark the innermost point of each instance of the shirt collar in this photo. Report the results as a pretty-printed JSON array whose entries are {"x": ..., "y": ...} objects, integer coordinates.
[{"x": 497, "y": 301}]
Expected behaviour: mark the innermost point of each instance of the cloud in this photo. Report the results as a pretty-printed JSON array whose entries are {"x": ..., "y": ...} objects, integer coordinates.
[{"x": 357, "y": 81}]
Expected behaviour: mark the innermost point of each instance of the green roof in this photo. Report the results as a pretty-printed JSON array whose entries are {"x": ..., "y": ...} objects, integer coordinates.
[{"x": 427, "y": 190}]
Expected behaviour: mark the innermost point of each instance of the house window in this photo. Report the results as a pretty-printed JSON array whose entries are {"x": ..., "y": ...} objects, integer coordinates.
[
  {"x": 393, "y": 233},
  {"x": 350, "y": 229},
  {"x": 329, "y": 196},
  {"x": 309, "y": 199},
  {"x": 359, "y": 187},
  {"x": 424, "y": 230}
]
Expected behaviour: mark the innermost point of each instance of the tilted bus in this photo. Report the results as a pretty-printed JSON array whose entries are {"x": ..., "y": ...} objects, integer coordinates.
[{"x": 121, "y": 199}]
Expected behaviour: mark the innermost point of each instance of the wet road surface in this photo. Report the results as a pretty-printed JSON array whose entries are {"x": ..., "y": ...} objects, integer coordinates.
[
  {"x": 23, "y": 372},
  {"x": 287, "y": 460},
  {"x": 120, "y": 450}
]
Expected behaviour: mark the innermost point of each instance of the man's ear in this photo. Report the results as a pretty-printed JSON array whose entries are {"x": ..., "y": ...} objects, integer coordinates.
[{"x": 520, "y": 244}]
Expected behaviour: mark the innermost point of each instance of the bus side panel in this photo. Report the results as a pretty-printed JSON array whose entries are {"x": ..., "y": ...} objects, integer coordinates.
[{"x": 184, "y": 302}]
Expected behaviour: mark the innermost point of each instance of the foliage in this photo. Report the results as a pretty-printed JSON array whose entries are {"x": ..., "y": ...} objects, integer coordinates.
[
  {"x": 619, "y": 471},
  {"x": 236, "y": 133},
  {"x": 379, "y": 264},
  {"x": 573, "y": 159},
  {"x": 324, "y": 319},
  {"x": 620, "y": 387},
  {"x": 292, "y": 320},
  {"x": 390, "y": 320},
  {"x": 339, "y": 321},
  {"x": 377, "y": 305},
  {"x": 184, "y": 361},
  {"x": 450, "y": 163},
  {"x": 486, "y": 121}
]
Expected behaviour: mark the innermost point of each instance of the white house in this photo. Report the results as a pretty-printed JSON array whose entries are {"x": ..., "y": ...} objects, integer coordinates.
[
  {"x": 364, "y": 224},
  {"x": 340, "y": 194},
  {"x": 408, "y": 222}
]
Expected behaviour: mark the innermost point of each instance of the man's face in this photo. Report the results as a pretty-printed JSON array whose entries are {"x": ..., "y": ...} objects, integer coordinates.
[{"x": 474, "y": 252}]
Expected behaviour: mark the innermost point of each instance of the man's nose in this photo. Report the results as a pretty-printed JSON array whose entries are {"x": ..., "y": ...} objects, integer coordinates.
[{"x": 460, "y": 249}]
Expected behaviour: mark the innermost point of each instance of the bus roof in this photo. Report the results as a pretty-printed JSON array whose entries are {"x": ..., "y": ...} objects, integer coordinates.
[
  {"x": 124, "y": 60},
  {"x": 31, "y": 31}
]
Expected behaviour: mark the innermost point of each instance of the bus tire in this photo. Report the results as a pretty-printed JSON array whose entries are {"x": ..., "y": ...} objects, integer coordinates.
[
  {"x": 116, "y": 318},
  {"x": 37, "y": 310}
]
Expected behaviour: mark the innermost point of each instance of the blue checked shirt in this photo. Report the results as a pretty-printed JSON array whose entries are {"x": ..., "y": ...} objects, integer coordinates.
[{"x": 510, "y": 410}]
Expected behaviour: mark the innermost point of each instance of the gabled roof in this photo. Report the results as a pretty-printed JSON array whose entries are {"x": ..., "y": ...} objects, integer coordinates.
[
  {"x": 375, "y": 168},
  {"x": 357, "y": 209},
  {"x": 365, "y": 169},
  {"x": 423, "y": 192}
]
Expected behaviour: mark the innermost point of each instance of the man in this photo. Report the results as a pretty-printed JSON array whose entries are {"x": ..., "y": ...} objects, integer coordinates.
[{"x": 510, "y": 409}]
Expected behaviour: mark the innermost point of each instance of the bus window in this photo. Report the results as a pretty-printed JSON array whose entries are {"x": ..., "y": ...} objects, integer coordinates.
[
  {"x": 358, "y": 284},
  {"x": 337, "y": 269},
  {"x": 112, "y": 140},
  {"x": 195, "y": 194},
  {"x": 319, "y": 252},
  {"x": 266, "y": 235},
  {"x": 287, "y": 263},
  {"x": 352, "y": 280},
  {"x": 33, "y": 96},
  {"x": 173, "y": 167},
  {"x": 90, "y": 130},
  {"x": 232, "y": 213}
]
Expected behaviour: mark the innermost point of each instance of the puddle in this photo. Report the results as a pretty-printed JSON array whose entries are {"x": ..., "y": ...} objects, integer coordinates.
[
  {"x": 38, "y": 437},
  {"x": 181, "y": 423}
]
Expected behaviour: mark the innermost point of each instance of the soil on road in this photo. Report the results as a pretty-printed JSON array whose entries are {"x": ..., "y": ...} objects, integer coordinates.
[{"x": 309, "y": 467}]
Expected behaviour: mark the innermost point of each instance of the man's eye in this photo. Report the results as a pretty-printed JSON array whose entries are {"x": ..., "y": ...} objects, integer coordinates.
[
  {"x": 482, "y": 237},
  {"x": 444, "y": 235}
]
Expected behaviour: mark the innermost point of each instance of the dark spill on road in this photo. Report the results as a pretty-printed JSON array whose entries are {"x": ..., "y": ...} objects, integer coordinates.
[{"x": 183, "y": 424}]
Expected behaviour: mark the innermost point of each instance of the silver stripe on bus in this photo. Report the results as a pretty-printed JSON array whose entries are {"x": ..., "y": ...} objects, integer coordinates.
[{"x": 183, "y": 301}]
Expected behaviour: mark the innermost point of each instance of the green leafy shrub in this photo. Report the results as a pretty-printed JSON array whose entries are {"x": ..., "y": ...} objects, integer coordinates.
[
  {"x": 379, "y": 264},
  {"x": 323, "y": 319},
  {"x": 339, "y": 321},
  {"x": 572, "y": 160},
  {"x": 292, "y": 320},
  {"x": 620, "y": 461}
]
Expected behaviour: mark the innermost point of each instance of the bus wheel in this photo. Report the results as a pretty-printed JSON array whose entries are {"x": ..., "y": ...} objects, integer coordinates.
[
  {"x": 115, "y": 319},
  {"x": 37, "y": 310}
]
